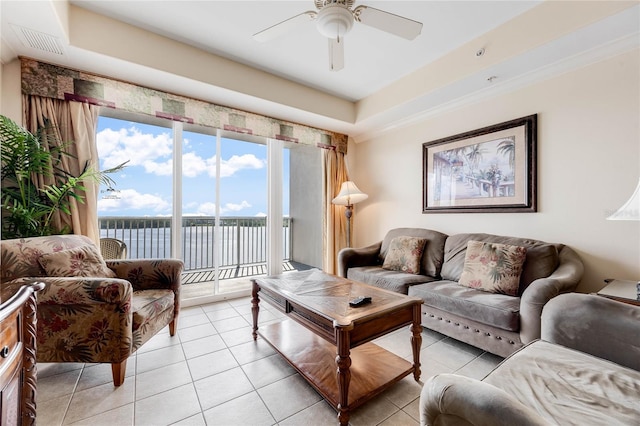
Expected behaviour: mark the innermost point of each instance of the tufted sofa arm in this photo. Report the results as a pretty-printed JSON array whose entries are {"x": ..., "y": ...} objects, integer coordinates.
[
  {"x": 449, "y": 399},
  {"x": 564, "y": 279},
  {"x": 596, "y": 325},
  {"x": 354, "y": 257}
]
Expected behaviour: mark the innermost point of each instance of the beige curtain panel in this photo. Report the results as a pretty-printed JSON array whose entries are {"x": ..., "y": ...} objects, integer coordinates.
[
  {"x": 73, "y": 123},
  {"x": 335, "y": 224}
]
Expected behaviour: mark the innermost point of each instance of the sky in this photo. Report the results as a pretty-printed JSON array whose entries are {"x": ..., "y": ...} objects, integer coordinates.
[{"x": 144, "y": 187}]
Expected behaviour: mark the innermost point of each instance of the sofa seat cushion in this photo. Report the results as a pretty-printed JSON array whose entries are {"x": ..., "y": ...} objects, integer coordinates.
[
  {"x": 149, "y": 304},
  {"x": 566, "y": 386},
  {"x": 498, "y": 310},
  {"x": 397, "y": 281}
]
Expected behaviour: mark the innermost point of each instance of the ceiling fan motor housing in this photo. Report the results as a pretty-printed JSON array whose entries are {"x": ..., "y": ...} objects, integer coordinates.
[{"x": 334, "y": 20}]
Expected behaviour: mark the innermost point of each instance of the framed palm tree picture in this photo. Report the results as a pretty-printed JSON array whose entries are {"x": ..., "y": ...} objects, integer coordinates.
[{"x": 489, "y": 170}]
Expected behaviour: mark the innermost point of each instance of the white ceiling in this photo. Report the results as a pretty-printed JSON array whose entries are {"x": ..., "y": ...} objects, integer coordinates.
[{"x": 374, "y": 60}]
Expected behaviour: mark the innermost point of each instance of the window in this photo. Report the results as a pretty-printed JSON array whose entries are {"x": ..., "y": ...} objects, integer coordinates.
[{"x": 202, "y": 195}]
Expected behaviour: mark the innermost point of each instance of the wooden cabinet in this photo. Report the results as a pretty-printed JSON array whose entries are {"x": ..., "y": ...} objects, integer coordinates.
[{"x": 18, "y": 356}]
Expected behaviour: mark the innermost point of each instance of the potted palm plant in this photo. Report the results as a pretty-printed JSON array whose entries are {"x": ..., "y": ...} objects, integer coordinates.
[{"x": 28, "y": 209}]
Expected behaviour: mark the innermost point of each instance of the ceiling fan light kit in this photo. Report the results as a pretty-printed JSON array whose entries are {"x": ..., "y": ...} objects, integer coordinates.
[
  {"x": 334, "y": 21},
  {"x": 335, "y": 18}
]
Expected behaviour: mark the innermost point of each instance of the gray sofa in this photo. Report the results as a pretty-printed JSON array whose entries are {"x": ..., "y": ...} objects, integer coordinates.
[
  {"x": 584, "y": 371},
  {"x": 498, "y": 323}
]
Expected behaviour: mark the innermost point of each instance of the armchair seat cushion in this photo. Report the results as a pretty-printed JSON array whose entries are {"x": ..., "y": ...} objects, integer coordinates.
[
  {"x": 397, "y": 281},
  {"x": 567, "y": 386},
  {"x": 499, "y": 310},
  {"x": 148, "y": 305}
]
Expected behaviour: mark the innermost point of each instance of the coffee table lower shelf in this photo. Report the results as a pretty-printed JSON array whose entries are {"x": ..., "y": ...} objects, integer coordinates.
[{"x": 373, "y": 369}]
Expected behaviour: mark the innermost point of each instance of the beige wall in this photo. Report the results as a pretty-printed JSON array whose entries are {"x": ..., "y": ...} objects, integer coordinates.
[
  {"x": 588, "y": 165},
  {"x": 10, "y": 97}
]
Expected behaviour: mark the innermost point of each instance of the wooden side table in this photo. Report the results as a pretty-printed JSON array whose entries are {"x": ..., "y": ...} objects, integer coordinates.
[
  {"x": 622, "y": 291},
  {"x": 18, "y": 356}
]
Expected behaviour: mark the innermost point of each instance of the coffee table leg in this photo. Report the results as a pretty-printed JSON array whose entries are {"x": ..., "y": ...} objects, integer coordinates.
[
  {"x": 416, "y": 341},
  {"x": 255, "y": 308},
  {"x": 343, "y": 360}
]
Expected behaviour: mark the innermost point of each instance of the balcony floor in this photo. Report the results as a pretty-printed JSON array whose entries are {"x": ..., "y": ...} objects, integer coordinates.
[{"x": 200, "y": 283}]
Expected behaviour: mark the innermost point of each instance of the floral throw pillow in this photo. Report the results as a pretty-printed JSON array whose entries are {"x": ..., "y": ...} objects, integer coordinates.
[
  {"x": 493, "y": 267},
  {"x": 84, "y": 261},
  {"x": 405, "y": 254}
]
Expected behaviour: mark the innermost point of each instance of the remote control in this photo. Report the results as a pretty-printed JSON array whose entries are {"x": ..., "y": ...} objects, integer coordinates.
[{"x": 359, "y": 301}]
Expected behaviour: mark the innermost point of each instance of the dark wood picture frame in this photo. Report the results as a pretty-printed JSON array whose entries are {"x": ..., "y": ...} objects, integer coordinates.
[{"x": 489, "y": 170}]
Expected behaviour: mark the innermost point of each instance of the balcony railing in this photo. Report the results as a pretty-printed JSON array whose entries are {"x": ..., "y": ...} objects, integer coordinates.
[{"x": 243, "y": 240}]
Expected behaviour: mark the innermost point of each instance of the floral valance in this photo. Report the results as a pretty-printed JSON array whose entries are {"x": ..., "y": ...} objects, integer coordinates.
[{"x": 52, "y": 81}]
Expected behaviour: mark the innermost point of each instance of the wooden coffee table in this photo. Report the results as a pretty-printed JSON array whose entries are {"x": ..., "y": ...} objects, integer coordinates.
[{"x": 329, "y": 342}]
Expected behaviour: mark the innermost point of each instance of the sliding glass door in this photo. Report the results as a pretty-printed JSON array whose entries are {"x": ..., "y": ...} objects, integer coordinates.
[{"x": 218, "y": 201}]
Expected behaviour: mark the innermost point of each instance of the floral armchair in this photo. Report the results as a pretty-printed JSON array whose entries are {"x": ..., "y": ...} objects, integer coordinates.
[{"x": 92, "y": 310}]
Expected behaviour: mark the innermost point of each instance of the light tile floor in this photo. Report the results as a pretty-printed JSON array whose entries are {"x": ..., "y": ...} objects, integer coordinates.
[{"x": 213, "y": 373}]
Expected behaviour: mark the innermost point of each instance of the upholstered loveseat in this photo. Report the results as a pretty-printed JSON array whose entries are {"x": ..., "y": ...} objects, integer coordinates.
[
  {"x": 92, "y": 310},
  {"x": 496, "y": 322},
  {"x": 584, "y": 371}
]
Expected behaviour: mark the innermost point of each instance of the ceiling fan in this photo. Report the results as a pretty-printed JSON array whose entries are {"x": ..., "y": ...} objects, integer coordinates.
[{"x": 335, "y": 18}]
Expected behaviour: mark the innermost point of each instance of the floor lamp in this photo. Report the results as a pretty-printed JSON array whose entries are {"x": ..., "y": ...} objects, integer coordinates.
[
  {"x": 348, "y": 196},
  {"x": 630, "y": 211}
]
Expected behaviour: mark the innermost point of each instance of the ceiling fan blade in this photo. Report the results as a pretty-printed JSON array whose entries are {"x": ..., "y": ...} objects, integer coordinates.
[
  {"x": 285, "y": 26},
  {"x": 385, "y": 21},
  {"x": 336, "y": 53}
]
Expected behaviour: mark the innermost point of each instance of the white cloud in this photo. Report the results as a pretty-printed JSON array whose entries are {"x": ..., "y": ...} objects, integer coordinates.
[
  {"x": 154, "y": 153},
  {"x": 132, "y": 145},
  {"x": 193, "y": 165},
  {"x": 159, "y": 169},
  {"x": 132, "y": 199},
  {"x": 261, "y": 214},
  {"x": 235, "y": 207},
  {"x": 239, "y": 162},
  {"x": 209, "y": 209}
]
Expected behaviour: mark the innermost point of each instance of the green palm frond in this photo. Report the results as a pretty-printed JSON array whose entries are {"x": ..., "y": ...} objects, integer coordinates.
[{"x": 27, "y": 158}]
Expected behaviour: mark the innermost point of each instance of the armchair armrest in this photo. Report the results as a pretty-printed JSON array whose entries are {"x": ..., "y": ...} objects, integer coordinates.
[
  {"x": 450, "y": 399},
  {"x": 596, "y": 325},
  {"x": 81, "y": 290},
  {"x": 564, "y": 279},
  {"x": 353, "y": 257},
  {"x": 145, "y": 274}
]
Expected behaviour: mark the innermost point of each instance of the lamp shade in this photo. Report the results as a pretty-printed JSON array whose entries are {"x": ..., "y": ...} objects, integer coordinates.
[
  {"x": 349, "y": 195},
  {"x": 631, "y": 209}
]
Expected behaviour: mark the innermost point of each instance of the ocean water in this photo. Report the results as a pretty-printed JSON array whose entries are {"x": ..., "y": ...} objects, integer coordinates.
[{"x": 238, "y": 245}]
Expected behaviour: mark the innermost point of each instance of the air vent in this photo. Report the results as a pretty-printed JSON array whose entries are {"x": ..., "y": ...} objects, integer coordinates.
[{"x": 37, "y": 40}]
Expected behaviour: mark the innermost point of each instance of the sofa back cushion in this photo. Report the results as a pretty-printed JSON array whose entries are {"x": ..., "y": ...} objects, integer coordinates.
[
  {"x": 493, "y": 267},
  {"x": 541, "y": 260},
  {"x": 405, "y": 254},
  {"x": 432, "y": 256},
  {"x": 20, "y": 257}
]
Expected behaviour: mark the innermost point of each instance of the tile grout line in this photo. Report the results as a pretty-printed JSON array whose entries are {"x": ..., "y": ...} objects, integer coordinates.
[{"x": 73, "y": 393}]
